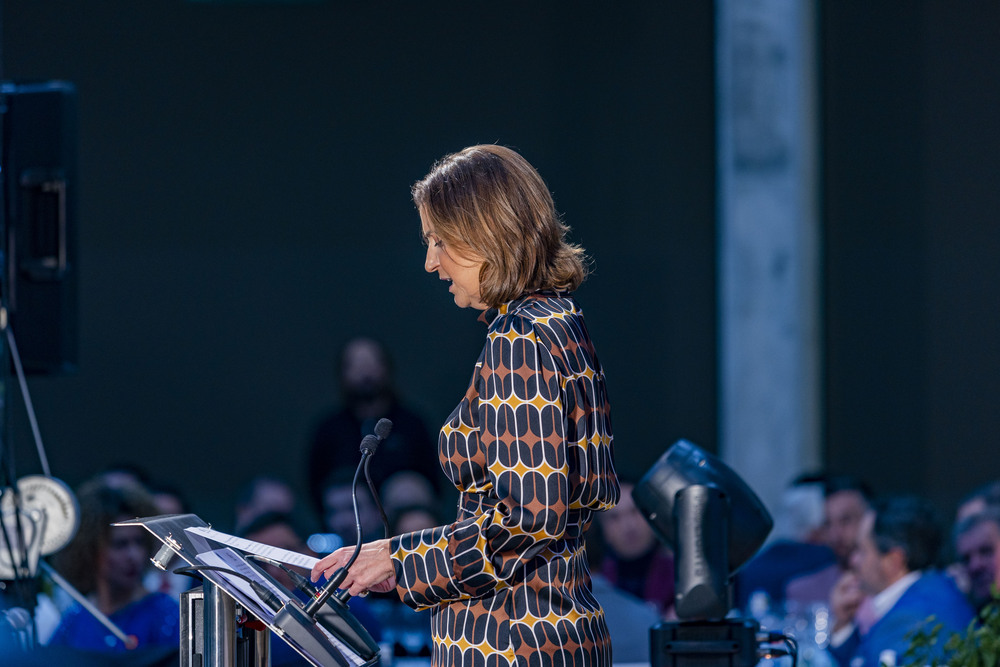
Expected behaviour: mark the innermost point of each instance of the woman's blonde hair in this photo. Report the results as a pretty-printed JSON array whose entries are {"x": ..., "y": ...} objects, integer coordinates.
[{"x": 489, "y": 202}]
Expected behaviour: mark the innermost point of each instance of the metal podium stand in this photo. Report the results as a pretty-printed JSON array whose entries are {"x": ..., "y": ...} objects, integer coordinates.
[{"x": 221, "y": 624}]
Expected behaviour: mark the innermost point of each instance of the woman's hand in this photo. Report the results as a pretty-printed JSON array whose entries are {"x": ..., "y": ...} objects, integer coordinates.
[{"x": 372, "y": 571}]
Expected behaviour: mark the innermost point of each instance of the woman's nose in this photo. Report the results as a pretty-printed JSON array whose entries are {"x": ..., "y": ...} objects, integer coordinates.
[{"x": 431, "y": 261}]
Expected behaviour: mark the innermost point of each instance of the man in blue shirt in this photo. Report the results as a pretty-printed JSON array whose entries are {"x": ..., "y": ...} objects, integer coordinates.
[{"x": 898, "y": 546}]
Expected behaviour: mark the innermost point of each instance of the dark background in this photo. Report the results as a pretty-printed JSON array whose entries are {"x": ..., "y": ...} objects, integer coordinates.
[{"x": 244, "y": 209}]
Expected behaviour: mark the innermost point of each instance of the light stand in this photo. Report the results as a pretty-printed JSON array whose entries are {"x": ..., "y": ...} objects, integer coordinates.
[
  {"x": 714, "y": 522},
  {"x": 704, "y": 637},
  {"x": 38, "y": 513},
  {"x": 13, "y": 539}
]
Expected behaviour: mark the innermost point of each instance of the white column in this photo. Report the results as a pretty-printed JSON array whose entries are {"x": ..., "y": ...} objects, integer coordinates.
[{"x": 768, "y": 241}]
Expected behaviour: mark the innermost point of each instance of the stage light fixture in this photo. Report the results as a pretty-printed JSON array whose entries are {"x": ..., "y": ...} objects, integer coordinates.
[{"x": 710, "y": 518}]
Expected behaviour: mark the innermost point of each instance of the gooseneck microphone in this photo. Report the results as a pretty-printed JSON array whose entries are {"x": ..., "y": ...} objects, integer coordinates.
[
  {"x": 324, "y": 608},
  {"x": 369, "y": 444},
  {"x": 382, "y": 429}
]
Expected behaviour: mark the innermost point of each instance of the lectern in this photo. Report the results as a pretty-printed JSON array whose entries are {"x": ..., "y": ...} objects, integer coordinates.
[{"x": 226, "y": 621}]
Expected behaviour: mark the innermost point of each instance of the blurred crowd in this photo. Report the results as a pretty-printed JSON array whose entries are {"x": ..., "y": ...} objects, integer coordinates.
[
  {"x": 862, "y": 570},
  {"x": 857, "y": 575}
]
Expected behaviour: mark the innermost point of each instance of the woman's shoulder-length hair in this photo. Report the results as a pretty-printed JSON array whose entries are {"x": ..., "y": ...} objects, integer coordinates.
[
  {"x": 488, "y": 201},
  {"x": 102, "y": 503}
]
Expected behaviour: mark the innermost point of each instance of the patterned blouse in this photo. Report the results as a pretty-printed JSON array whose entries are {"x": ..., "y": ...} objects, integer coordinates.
[{"x": 530, "y": 449}]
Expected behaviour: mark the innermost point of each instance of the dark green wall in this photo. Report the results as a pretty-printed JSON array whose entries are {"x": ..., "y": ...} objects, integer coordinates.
[
  {"x": 912, "y": 213},
  {"x": 244, "y": 208}
]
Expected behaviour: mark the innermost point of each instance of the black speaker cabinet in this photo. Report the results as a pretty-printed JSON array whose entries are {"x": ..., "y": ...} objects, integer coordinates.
[{"x": 39, "y": 180}]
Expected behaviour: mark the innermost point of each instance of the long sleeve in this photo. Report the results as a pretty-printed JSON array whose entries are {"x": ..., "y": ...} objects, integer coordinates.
[
  {"x": 518, "y": 407},
  {"x": 522, "y": 430}
]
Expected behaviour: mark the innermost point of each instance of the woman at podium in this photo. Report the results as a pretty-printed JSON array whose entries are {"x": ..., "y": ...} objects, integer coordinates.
[{"x": 529, "y": 446}]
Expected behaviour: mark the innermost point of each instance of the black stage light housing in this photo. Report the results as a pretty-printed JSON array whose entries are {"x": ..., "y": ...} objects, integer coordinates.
[{"x": 711, "y": 519}]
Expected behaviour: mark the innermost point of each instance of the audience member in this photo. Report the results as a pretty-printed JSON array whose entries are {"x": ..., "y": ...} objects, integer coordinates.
[
  {"x": 413, "y": 517},
  {"x": 124, "y": 472},
  {"x": 338, "y": 508},
  {"x": 367, "y": 395},
  {"x": 634, "y": 560},
  {"x": 261, "y": 495},
  {"x": 405, "y": 488},
  {"x": 981, "y": 498},
  {"x": 107, "y": 564},
  {"x": 794, "y": 549},
  {"x": 846, "y": 499},
  {"x": 53, "y": 602},
  {"x": 168, "y": 498},
  {"x": 278, "y": 529},
  {"x": 897, "y": 549},
  {"x": 629, "y": 617},
  {"x": 977, "y": 543}
]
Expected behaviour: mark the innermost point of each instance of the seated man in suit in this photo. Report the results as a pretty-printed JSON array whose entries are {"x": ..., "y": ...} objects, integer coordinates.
[{"x": 898, "y": 546}]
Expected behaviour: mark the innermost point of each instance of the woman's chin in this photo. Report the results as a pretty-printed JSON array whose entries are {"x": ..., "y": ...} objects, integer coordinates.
[{"x": 462, "y": 300}]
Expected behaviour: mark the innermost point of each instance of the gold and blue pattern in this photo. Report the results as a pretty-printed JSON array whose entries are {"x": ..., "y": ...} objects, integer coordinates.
[{"x": 530, "y": 448}]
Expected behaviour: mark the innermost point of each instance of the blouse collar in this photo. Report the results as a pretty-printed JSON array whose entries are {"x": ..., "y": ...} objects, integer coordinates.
[{"x": 490, "y": 315}]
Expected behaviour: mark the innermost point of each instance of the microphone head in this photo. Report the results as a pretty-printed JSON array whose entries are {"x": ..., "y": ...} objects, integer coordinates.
[
  {"x": 369, "y": 444},
  {"x": 383, "y": 428}
]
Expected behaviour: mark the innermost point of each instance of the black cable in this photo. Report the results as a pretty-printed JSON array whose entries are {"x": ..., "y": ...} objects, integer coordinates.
[
  {"x": 357, "y": 518},
  {"x": 338, "y": 577},
  {"x": 23, "y": 594},
  {"x": 10, "y": 486},
  {"x": 262, "y": 591},
  {"x": 3, "y": 527},
  {"x": 301, "y": 583},
  {"x": 19, "y": 562},
  {"x": 20, "y": 532},
  {"x": 378, "y": 503},
  {"x": 368, "y": 446},
  {"x": 793, "y": 648}
]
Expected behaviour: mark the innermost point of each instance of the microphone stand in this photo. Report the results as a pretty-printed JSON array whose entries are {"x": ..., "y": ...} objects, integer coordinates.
[
  {"x": 368, "y": 445},
  {"x": 327, "y": 608}
]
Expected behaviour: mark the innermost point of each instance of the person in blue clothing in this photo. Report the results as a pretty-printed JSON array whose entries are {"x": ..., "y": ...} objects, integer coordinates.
[
  {"x": 894, "y": 563},
  {"x": 796, "y": 547},
  {"x": 107, "y": 563}
]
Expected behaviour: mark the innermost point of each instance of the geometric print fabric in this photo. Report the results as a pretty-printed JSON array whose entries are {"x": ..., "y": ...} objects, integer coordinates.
[{"x": 530, "y": 449}]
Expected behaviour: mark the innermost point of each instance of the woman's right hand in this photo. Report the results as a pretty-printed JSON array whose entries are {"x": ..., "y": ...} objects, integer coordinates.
[{"x": 371, "y": 571}]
